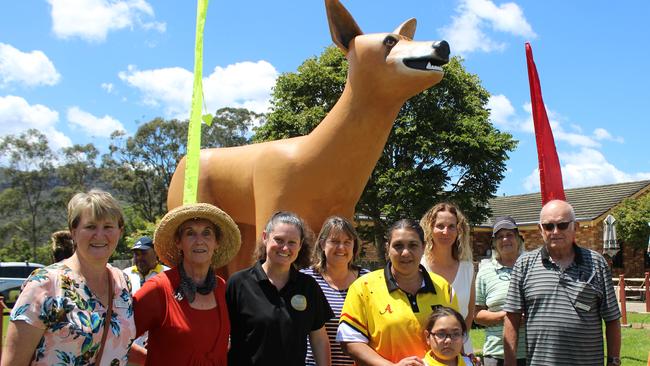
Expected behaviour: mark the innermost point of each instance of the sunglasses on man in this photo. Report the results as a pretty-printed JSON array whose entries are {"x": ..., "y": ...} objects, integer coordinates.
[{"x": 550, "y": 226}]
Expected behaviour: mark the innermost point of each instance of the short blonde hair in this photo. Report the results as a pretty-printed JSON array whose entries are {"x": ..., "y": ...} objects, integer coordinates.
[
  {"x": 462, "y": 249},
  {"x": 100, "y": 204}
]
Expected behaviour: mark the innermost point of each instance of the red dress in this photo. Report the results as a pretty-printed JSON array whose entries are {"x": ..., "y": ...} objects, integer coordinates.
[{"x": 179, "y": 334}]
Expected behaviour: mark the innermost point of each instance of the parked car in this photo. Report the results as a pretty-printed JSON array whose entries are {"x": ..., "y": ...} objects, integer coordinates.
[{"x": 12, "y": 276}]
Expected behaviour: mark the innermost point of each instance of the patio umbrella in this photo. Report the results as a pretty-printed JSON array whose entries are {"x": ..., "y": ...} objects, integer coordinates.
[{"x": 610, "y": 246}]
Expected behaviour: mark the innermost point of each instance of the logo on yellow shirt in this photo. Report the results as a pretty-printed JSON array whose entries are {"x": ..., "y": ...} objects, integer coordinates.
[{"x": 387, "y": 310}]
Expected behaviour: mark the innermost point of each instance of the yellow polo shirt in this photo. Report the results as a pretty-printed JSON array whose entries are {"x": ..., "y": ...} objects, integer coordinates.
[
  {"x": 461, "y": 360},
  {"x": 390, "y": 319}
]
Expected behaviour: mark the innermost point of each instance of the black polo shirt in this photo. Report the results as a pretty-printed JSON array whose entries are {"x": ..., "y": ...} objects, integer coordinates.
[{"x": 270, "y": 327}]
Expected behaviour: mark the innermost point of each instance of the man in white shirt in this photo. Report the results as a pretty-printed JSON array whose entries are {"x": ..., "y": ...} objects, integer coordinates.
[{"x": 146, "y": 264}]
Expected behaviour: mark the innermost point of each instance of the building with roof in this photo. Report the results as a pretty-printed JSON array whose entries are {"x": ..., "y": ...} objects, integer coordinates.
[{"x": 591, "y": 205}]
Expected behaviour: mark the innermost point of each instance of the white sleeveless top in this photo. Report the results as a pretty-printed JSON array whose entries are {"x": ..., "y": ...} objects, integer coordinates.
[{"x": 462, "y": 286}]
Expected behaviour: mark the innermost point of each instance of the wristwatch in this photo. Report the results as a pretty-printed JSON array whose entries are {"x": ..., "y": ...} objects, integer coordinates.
[{"x": 613, "y": 361}]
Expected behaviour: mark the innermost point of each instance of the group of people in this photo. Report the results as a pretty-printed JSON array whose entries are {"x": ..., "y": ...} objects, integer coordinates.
[{"x": 304, "y": 301}]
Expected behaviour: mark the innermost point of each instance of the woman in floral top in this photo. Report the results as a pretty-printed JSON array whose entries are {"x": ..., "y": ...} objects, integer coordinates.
[{"x": 60, "y": 315}]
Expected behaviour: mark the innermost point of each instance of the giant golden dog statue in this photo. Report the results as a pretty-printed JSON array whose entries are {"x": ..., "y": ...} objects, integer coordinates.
[{"x": 325, "y": 172}]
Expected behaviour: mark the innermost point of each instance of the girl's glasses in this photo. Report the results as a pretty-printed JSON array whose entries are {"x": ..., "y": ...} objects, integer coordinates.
[{"x": 442, "y": 336}]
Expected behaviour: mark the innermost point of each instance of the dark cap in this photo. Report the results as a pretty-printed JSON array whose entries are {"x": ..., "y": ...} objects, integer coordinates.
[
  {"x": 144, "y": 243},
  {"x": 503, "y": 222}
]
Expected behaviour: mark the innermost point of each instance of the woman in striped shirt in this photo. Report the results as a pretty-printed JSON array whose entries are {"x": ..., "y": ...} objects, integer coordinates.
[{"x": 336, "y": 249}]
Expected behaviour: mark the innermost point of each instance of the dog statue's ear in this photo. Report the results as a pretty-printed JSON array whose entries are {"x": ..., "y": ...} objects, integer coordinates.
[
  {"x": 343, "y": 27},
  {"x": 407, "y": 29}
]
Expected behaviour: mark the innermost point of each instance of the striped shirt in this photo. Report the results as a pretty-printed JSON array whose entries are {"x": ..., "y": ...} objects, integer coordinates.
[
  {"x": 564, "y": 308},
  {"x": 492, "y": 283},
  {"x": 336, "y": 298}
]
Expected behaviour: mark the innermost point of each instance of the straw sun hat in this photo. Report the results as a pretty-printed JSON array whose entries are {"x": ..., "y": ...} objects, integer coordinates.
[{"x": 165, "y": 235}]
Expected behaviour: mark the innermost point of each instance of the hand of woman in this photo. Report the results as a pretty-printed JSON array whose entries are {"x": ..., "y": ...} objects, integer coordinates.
[{"x": 410, "y": 361}]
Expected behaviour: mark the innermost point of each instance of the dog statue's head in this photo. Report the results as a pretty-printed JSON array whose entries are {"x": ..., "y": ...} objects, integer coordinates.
[{"x": 390, "y": 62}]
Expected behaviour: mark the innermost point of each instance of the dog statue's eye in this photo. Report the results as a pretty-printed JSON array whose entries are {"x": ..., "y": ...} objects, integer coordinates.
[{"x": 390, "y": 41}]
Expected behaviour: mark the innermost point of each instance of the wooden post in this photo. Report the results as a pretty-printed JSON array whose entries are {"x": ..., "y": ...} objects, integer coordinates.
[
  {"x": 646, "y": 285},
  {"x": 621, "y": 297},
  {"x": 2, "y": 319}
]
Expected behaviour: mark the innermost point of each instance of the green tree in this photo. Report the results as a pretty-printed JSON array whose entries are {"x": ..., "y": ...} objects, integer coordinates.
[
  {"x": 140, "y": 167},
  {"x": 30, "y": 176},
  {"x": 632, "y": 218},
  {"x": 442, "y": 146},
  {"x": 77, "y": 172},
  {"x": 230, "y": 127}
]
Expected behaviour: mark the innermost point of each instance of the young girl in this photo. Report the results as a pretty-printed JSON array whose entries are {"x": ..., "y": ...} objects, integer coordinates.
[{"x": 445, "y": 333}]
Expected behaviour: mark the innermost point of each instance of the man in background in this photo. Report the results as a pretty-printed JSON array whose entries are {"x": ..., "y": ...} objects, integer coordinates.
[
  {"x": 145, "y": 266},
  {"x": 145, "y": 263}
]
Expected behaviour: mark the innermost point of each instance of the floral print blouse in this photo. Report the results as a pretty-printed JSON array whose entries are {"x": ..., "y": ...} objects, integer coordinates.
[{"x": 58, "y": 300}]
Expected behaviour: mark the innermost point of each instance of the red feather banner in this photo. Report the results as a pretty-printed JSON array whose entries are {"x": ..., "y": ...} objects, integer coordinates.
[{"x": 550, "y": 174}]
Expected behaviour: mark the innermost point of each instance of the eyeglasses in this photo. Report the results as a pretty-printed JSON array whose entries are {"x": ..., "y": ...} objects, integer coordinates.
[
  {"x": 442, "y": 336},
  {"x": 550, "y": 226}
]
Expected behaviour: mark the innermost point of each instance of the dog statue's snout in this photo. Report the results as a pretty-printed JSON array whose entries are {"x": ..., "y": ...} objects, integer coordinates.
[{"x": 442, "y": 49}]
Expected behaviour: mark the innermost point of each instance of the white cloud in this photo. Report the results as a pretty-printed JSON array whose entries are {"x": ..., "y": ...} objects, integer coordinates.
[
  {"x": 506, "y": 17},
  {"x": 91, "y": 20},
  {"x": 466, "y": 33},
  {"x": 28, "y": 68},
  {"x": 559, "y": 133},
  {"x": 586, "y": 167},
  {"x": 501, "y": 111},
  {"x": 603, "y": 134},
  {"x": 93, "y": 126},
  {"x": 108, "y": 87},
  {"x": 17, "y": 115},
  {"x": 574, "y": 139},
  {"x": 244, "y": 84}
]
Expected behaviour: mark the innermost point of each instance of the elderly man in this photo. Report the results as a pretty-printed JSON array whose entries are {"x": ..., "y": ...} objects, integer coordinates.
[
  {"x": 146, "y": 264},
  {"x": 564, "y": 293}
]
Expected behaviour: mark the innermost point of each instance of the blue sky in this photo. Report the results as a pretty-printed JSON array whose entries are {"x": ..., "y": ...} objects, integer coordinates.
[{"x": 79, "y": 69}]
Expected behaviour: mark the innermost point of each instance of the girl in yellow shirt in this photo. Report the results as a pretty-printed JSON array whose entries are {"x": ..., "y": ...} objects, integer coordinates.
[{"x": 445, "y": 334}]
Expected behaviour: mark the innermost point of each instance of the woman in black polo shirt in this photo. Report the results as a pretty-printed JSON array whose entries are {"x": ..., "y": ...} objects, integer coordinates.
[{"x": 273, "y": 308}]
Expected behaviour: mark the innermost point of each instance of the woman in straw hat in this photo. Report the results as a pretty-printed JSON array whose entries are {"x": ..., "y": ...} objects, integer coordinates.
[
  {"x": 184, "y": 308},
  {"x": 274, "y": 306},
  {"x": 59, "y": 317}
]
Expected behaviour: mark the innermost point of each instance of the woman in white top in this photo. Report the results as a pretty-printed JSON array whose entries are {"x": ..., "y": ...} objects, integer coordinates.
[{"x": 448, "y": 253}]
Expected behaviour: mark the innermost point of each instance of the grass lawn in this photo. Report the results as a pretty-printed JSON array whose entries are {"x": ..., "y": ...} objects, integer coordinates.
[
  {"x": 635, "y": 342},
  {"x": 642, "y": 318}
]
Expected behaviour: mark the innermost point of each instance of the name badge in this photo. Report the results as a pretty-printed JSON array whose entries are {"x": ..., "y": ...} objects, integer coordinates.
[
  {"x": 120, "y": 303},
  {"x": 299, "y": 302},
  {"x": 581, "y": 306}
]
